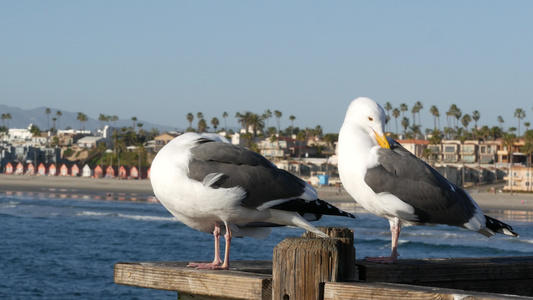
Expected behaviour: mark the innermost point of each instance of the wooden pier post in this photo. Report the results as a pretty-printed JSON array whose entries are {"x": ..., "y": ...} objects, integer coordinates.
[{"x": 301, "y": 265}]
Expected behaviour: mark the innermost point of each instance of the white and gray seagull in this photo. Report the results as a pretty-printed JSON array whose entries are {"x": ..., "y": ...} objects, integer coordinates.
[
  {"x": 389, "y": 181},
  {"x": 216, "y": 187}
]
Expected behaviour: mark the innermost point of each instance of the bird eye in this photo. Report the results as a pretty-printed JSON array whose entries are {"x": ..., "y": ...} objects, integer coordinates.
[{"x": 370, "y": 119}]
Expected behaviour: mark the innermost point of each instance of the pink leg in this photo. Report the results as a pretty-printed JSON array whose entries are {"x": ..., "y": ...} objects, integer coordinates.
[
  {"x": 227, "y": 237},
  {"x": 395, "y": 229},
  {"x": 217, "y": 261}
]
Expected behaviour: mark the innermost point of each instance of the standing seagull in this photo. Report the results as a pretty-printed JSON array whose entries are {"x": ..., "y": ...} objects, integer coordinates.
[
  {"x": 389, "y": 181},
  {"x": 213, "y": 186}
]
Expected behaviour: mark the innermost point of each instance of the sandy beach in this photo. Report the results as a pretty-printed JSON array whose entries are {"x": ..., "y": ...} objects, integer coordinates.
[{"x": 23, "y": 183}]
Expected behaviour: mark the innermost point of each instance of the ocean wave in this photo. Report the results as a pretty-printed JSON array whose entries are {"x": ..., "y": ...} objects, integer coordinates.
[
  {"x": 9, "y": 204},
  {"x": 126, "y": 216},
  {"x": 148, "y": 218}
]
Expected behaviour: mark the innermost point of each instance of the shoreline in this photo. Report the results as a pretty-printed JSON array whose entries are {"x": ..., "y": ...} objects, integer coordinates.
[{"x": 143, "y": 189}]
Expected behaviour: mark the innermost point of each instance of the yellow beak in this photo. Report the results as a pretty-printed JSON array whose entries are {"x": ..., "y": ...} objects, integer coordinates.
[{"x": 382, "y": 140}]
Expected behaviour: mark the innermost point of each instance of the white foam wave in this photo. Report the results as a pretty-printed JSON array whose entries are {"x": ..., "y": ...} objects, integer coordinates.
[
  {"x": 134, "y": 217},
  {"x": 148, "y": 218},
  {"x": 10, "y": 204}
]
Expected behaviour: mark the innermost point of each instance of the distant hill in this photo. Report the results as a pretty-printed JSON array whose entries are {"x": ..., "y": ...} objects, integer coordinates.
[{"x": 21, "y": 118}]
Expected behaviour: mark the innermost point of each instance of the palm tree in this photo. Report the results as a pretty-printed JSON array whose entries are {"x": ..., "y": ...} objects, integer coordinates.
[
  {"x": 47, "y": 111},
  {"x": 202, "y": 125},
  {"x": 457, "y": 115},
  {"x": 6, "y": 116},
  {"x": 508, "y": 142},
  {"x": 519, "y": 114},
  {"x": 475, "y": 116},
  {"x": 257, "y": 124},
  {"x": 318, "y": 131},
  {"x": 82, "y": 118},
  {"x": 465, "y": 121},
  {"x": 292, "y": 118},
  {"x": 102, "y": 118},
  {"x": 244, "y": 120},
  {"x": 190, "y": 118},
  {"x": 413, "y": 112},
  {"x": 403, "y": 108},
  {"x": 405, "y": 124},
  {"x": 528, "y": 151},
  {"x": 388, "y": 108},
  {"x": 278, "y": 115},
  {"x": 435, "y": 112},
  {"x": 500, "y": 121},
  {"x": 396, "y": 114},
  {"x": 266, "y": 116},
  {"x": 215, "y": 123},
  {"x": 134, "y": 119},
  {"x": 454, "y": 111},
  {"x": 224, "y": 116},
  {"x": 59, "y": 114},
  {"x": 527, "y": 124},
  {"x": 418, "y": 107}
]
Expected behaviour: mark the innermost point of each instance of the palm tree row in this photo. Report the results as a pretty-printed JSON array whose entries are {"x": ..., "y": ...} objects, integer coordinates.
[
  {"x": 253, "y": 124},
  {"x": 458, "y": 123}
]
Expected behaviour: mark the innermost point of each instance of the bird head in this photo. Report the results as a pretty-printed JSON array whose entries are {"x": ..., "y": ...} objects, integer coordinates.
[{"x": 369, "y": 116}]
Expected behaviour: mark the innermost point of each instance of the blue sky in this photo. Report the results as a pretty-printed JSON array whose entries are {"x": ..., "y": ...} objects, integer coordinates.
[{"x": 159, "y": 60}]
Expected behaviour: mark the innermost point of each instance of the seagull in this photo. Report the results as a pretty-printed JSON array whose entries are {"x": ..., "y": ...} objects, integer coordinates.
[
  {"x": 389, "y": 181},
  {"x": 215, "y": 187}
]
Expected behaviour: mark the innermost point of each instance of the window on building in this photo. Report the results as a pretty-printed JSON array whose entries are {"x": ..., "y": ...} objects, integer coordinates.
[{"x": 449, "y": 149}]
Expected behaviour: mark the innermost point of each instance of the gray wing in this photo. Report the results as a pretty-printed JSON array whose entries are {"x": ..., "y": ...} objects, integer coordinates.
[
  {"x": 433, "y": 197},
  {"x": 262, "y": 180}
]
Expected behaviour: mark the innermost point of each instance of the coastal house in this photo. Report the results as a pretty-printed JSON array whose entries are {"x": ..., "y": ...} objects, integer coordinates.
[
  {"x": 87, "y": 171},
  {"x": 110, "y": 172},
  {"x": 30, "y": 169},
  {"x": 63, "y": 170},
  {"x": 122, "y": 172},
  {"x": 19, "y": 170},
  {"x": 98, "y": 172},
  {"x": 41, "y": 169},
  {"x": 52, "y": 170},
  {"x": 163, "y": 139},
  {"x": 9, "y": 168},
  {"x": 75, "y": 170},
  {"x": 135, "y": 173}
]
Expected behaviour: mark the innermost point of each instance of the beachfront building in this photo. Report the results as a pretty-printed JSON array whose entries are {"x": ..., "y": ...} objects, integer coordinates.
[
  {"x": 161, "y": 140},
  {"x": 519, "y": 179},
  {"x": 415, "y": 146},
  {"x": 91, "y": 142}
]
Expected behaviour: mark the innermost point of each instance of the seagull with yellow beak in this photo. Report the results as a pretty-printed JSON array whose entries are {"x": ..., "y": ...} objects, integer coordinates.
[{"x": 389, "y": 181}]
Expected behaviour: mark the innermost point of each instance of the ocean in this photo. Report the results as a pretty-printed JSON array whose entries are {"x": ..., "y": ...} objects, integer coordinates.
[{"x": 60, "y": 246}]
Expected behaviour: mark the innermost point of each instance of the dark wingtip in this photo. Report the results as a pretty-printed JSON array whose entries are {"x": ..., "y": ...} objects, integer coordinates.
[
  {"x": 318, "y": 207},
  {"x": 500, "y": 227}
]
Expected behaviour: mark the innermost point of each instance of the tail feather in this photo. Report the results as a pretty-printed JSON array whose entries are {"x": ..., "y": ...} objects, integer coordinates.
[{"x": 498, "y": 226}]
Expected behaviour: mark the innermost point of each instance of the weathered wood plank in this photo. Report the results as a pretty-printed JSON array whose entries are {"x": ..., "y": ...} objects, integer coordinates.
[
  {"x": 386, "y": 291},
  {"x": 509, "y": 275},
  {"x": 175, "y": 276}
]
